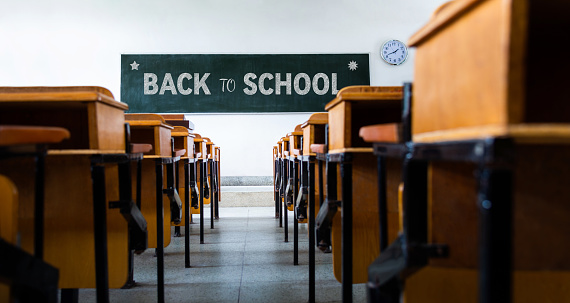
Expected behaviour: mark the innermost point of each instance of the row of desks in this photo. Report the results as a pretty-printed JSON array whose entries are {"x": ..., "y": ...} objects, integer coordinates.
[
  {"x": 455, "y": 189},
  {"x": 89, "y": 174},
  {"x": 435, "y": 219}
]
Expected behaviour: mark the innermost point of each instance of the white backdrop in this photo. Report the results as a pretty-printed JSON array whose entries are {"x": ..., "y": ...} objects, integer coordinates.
[{"x": 63, "y": 42}]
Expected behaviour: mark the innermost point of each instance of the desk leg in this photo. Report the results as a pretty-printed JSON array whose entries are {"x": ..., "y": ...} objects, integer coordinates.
[
  {"x": 311, "y": 199},
  {"x": 275, "y": 189},
  {"x": 285, "y": 210},
  {"x": 39, "y": 207},
  {"x": 202, "y": 201},
  {"x": 218, "y": 189},
  {"x": 69, "y": 295},
  {"x": 159, "y": 232},
  {"x": 187, "y": 213},
  {"x": 210, "y": 175},
  {"x": 177, "y": 182},
  {"x": 346, "y": 219},
  {"x": 281, "y": 190},
  {"x": 382, "y": 203},
  {"x": 125, "y": 194},
  {"x": 495, "y": 230},
  {"x": 100, "y": 232},
  {"x": 296, "y": 222}
]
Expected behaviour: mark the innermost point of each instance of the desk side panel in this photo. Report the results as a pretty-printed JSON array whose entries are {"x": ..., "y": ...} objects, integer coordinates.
[{"x": 106, "y": 127}]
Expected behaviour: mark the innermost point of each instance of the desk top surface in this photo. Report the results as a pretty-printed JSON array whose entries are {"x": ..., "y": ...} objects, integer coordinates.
[
  {"x": 555, "y": 133},
  {"x": 59, "y": 94},
  {"x": 387, "y": 94},
  {"x": 316, "y": 118}
]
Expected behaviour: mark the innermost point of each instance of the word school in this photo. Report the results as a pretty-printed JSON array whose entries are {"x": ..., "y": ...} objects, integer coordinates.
[{"x": 266, "y": 84}]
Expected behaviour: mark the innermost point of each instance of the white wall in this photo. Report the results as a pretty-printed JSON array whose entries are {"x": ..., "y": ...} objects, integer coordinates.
[{"x": 65, "y": 42}]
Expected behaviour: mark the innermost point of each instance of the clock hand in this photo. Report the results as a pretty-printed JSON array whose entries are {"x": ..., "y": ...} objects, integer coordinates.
[{"x": 393, "y": 52}]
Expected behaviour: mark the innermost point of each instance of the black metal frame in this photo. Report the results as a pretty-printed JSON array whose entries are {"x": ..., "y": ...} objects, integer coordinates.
[
  {"x": 307, "y": 176},
  {"x": 411, "y": 251}
]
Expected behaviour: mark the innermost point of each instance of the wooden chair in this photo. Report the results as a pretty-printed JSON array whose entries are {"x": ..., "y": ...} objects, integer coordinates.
[
  {"x": 83, "y": 168},
  {"x": 358, "y": 231},
  {"x": 39, "y": 282}
]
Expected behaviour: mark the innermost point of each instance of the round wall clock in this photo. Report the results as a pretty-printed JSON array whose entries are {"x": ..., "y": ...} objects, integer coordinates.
[{"x": 394, "y": 52}]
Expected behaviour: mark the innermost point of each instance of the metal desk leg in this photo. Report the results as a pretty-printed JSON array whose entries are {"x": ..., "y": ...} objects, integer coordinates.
[
  {"x": 217, "y": 194},
  {"x": 187, "y": 213},
  {"x": 295, "y": 221},
  {"x": 202, "y": 201},
  {"x": 39, "y": 207},
  {"x": 382, "y": 203},
  {"x": 495, "y": 233},
  {"x": 285, "y": 210},
  {"x": 346, "y": 177},
  {"x": 210, "y": 175},
  {"x": 275, "y": 188},
  {"x": 69, "y": 295},
  {"x": 159, "y": 231},
  {"x": 281, "y": 191},
  {"x": 311, "y": 199},
  {"x": 100, "y": 232},
  {"x": 177, "y": 182}
]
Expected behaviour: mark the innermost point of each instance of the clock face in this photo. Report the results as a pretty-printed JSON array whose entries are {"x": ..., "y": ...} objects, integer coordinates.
[{"x": 394, "y": 52}]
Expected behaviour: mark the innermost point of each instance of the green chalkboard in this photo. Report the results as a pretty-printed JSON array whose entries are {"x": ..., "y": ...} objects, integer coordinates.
[{"x": 237, "y": 83}]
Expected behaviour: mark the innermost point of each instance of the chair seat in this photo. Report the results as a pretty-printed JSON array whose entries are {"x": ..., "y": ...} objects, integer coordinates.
[
  {"x": 387, "y": 132},
  {"x": 17, "y": 135},
  {"x": 140, "y": 148},
  {"x": 178, "y": 152},
  {"x": 319, "y": 148}
]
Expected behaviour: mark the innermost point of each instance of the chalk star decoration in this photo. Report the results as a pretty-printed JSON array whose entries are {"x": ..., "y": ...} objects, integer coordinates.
[
  {"x": 134, "y": 65},
  {"x": 352, "y": 65}
]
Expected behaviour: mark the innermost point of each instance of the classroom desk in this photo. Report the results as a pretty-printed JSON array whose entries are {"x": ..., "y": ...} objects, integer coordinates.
[
  {"x": 95, "y": 122},
  {"x": 201, "y": 156},
  {"x": 210, "y": 175},
  {"x": 152, "y": 129},
  {"x": 357, "y": 227},
  {"x": 518, "y": 207},
  {"x": 313, "y": 133},
  {"x": 292, "y": 190},
  {"x": 186, "y": 175}
]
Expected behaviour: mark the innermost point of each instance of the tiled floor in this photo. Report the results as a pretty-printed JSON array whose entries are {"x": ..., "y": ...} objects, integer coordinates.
[{"x": 244, "y": 259}]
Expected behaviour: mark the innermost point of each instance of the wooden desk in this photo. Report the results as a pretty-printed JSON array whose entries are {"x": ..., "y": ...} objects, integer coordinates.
[
  {"x": 152, "y": 129},
  {"x": 95, "y": 122},
  {"x": 358, "y": 228},
  {"x": 210, "y": 181},
  {"x": 509, "y": 206},
  {"x": 476, "y": 65},
  {"x": 183, "y": 140},
  {"x": 314, "y": 131}
]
